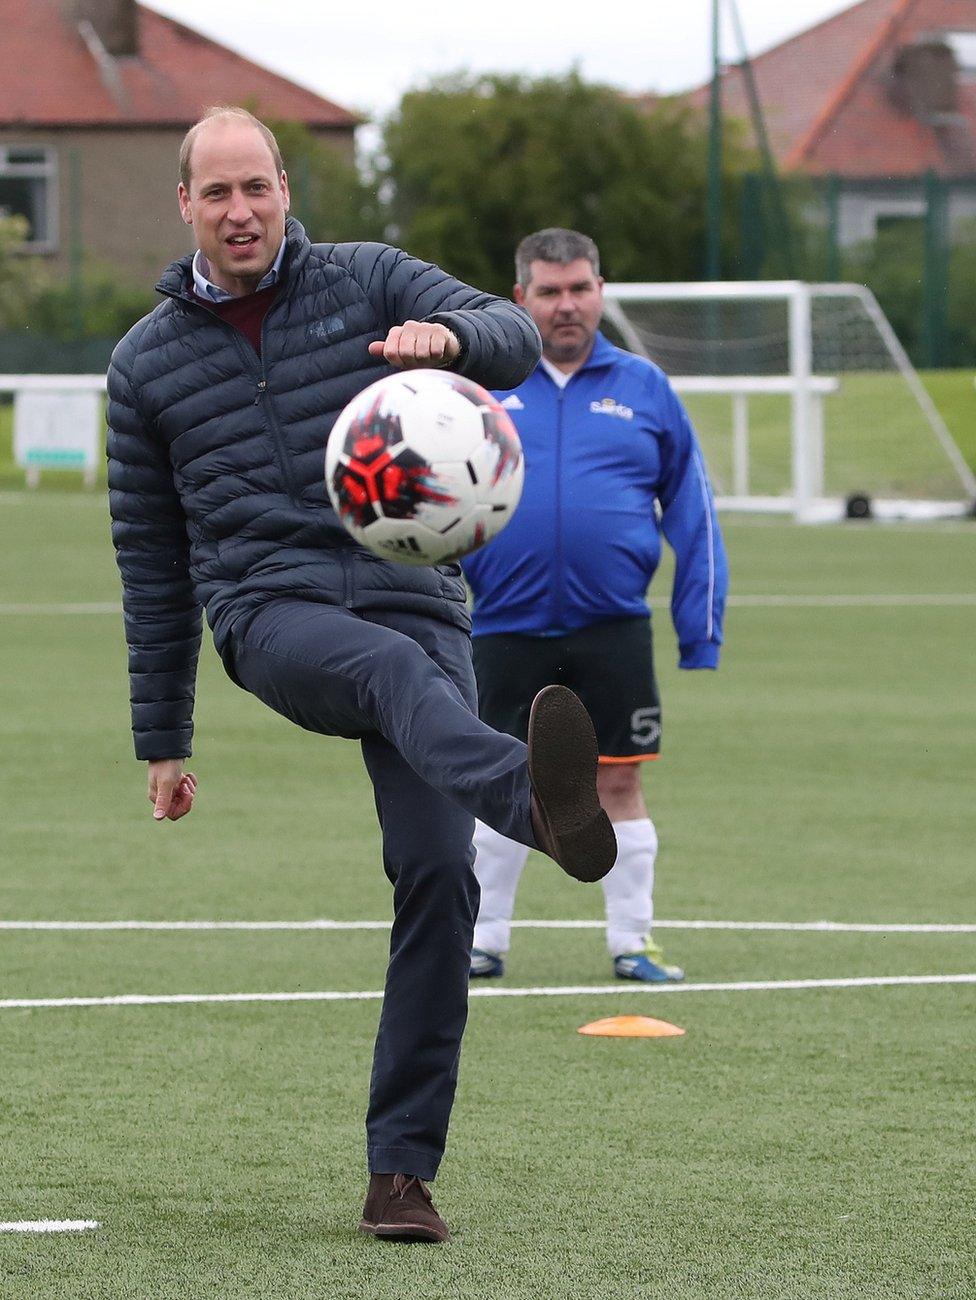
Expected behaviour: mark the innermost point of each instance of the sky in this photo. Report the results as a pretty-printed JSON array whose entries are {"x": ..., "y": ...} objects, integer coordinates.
[{"x": 365, "y": 58}]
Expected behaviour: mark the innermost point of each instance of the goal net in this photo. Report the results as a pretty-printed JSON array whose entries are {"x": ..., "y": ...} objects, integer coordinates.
[{"x": 801, "y": 394}]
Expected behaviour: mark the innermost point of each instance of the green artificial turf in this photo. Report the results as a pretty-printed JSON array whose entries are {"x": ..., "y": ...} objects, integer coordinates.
[{"x": 794, "y": 1143}]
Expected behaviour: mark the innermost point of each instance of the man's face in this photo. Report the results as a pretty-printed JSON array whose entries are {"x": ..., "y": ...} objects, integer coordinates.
[
  {"x": 566, "y": 303},
  {"x": 236, "y": 204}
]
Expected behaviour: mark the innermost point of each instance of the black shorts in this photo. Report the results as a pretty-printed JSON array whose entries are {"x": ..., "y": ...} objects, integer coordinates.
[{"x": 610, "y": 666}]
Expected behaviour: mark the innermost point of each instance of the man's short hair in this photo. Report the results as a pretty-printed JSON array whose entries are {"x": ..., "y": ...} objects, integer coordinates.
[
  {"x": 554, "y": 245},
  {"x": 226, "y": 113}
]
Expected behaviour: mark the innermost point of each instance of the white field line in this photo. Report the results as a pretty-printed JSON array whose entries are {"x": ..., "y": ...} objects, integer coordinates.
[
  {"x": 75, "y": 607},
  {"x": 50, "y": 1225},
  {"x": 815, "y": 927},
  {"x": 580, "y": 990},
  {"x": 841, "y": 602},
  {"x": 928, "y": 599}
]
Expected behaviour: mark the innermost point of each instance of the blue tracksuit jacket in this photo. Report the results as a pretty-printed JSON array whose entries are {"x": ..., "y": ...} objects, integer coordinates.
[{"x": 604, "y": 456}]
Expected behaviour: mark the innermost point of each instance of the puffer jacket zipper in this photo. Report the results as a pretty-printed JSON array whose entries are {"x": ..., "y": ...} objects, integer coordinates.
[
  {"x": 255, "y": 366},
  {"x": 263, "y": 398}
]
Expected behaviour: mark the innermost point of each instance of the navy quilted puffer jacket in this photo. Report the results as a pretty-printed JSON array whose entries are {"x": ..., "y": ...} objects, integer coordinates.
[{"x": 216, "y": 457}]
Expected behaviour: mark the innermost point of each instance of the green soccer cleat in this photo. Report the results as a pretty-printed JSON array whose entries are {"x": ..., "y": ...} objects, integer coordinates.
[{"x": 648, "y": 967}]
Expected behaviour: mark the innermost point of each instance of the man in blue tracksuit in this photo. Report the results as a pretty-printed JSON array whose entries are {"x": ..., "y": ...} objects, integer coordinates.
[{"x": 612, "y": 462}]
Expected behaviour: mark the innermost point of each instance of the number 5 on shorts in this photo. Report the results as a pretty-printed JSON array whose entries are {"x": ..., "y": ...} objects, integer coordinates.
[{"x": 645, "y": 726}]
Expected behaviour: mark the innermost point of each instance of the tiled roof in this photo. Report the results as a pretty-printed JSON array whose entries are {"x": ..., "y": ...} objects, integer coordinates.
[
  {"x": 48, "y": 76},
  {"x": 827, "y": 102},
  {"x": 862, "y": 131}
]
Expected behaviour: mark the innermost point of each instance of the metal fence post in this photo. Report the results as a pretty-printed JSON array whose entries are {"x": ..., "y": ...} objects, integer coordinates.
[
  {"x": 935, "y": 278},
  {"x": 833, "y": 227},
  {"x": 76, "y": 249},
  {"x": 801, "y": 369}
]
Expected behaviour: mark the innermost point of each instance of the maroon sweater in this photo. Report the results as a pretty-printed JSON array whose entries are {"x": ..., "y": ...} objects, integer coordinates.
[{"x": 246, "y": 314}]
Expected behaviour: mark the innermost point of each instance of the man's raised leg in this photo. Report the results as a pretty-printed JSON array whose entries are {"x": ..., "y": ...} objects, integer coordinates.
[{"x": 331, "y": 670}]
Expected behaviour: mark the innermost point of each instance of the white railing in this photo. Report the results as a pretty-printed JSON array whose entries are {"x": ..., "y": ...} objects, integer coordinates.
[{"x": 740, "y": 388}]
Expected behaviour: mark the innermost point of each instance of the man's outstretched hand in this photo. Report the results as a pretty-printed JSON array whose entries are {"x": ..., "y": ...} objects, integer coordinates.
[
  {"x": 171, "y": 790},
  {"x": 416, "y": 344}
]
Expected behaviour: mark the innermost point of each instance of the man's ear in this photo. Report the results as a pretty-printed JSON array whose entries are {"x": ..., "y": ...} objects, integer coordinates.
[
  {"x": 186, "y": 208},
  {"x": 285, "y": 192},
  {"x": 518, "y": 295}
]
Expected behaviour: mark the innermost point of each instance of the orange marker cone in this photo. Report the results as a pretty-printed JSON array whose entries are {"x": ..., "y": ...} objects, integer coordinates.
[{"x": 631, "y": 1027}]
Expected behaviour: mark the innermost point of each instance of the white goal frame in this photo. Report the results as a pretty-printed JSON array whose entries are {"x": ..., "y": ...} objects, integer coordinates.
[{"x": 805, "y": 389}]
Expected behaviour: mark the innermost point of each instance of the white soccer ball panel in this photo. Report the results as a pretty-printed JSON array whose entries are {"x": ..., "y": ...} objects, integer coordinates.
[
  {"x": 440, "y": 423},
  {"x": 499, "y": 475}
]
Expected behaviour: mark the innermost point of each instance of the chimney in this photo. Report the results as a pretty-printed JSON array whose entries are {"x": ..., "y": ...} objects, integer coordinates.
[
  {"x": 114, "y": 21},
  {"x": 924, "y": 80}
]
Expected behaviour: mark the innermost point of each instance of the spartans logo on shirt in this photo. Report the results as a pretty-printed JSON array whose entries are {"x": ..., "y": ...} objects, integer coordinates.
[{"x": 607, "y": 406}]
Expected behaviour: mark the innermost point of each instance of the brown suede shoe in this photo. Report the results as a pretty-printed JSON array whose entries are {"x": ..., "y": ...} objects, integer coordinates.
[
  {"x": 399, "y": 1208},
  {"x": 567, "y": 819}
]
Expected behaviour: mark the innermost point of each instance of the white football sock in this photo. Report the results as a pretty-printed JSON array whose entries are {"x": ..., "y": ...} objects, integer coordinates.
[
  {"x": 498, "y": 865},
  {"x": 629, "y": 886}
]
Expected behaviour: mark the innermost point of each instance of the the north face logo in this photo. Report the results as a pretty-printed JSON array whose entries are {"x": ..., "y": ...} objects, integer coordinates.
[
  {"x": 607, "y": 406},
  {"x": 326, "y": 329},
  {"x": 513, "y": 403}
]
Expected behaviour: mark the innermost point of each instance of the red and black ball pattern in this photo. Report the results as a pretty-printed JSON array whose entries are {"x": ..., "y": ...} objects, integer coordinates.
[{"x": 379, "y": 475}]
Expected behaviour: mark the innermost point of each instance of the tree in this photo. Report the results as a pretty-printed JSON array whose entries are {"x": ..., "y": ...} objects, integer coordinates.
[
  {"x": 15, "y": 272},
  {"x": 892, "y": 265},
  {"x": 962, "y": 296},
  {"x": 49, "y": 322},
  {"x": 329, "y": 195},
  {"x": 473, "y": 163}
]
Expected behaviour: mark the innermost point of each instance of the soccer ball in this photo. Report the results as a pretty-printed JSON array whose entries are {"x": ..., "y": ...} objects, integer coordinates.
[{"x": 424, "y": 467}]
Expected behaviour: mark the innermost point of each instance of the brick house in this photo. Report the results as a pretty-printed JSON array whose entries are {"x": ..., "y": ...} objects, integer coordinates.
[
  {"x": 95, "y": 96},
  {"x": 880, "y": 96}
]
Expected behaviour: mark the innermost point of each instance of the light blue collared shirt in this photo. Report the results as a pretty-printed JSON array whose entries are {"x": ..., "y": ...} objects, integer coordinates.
[{"x": 206, "y": 289}]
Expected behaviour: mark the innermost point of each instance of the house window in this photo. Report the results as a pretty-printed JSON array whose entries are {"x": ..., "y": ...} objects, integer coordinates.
[{"x": 28, "y": 175}]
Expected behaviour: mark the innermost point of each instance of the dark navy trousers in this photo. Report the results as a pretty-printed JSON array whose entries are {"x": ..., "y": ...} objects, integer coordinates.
[{"x": 403, "y": 685}]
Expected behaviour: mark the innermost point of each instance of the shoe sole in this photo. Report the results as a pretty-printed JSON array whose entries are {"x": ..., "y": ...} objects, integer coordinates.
[
  {"x": 563, "y": 761},
  {"x": 402, "y": 1232}
]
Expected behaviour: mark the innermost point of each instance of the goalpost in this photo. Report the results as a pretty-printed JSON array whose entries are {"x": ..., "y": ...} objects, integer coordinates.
[{"x": 802, "y": 396}]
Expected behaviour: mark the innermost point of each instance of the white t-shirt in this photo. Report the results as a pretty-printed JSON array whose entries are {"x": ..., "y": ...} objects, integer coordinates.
[{"x": 559, "y": 377}]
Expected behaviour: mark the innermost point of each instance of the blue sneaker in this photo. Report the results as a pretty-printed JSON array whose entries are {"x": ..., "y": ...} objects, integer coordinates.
[
  {"x": 486, "y": 965},
  {"x": 639, "y": 966}
]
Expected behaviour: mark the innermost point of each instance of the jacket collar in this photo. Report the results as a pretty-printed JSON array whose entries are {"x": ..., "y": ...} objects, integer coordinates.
[
  {"x": 602, "y": 354},
  {"x": 177, "y": 280}
]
